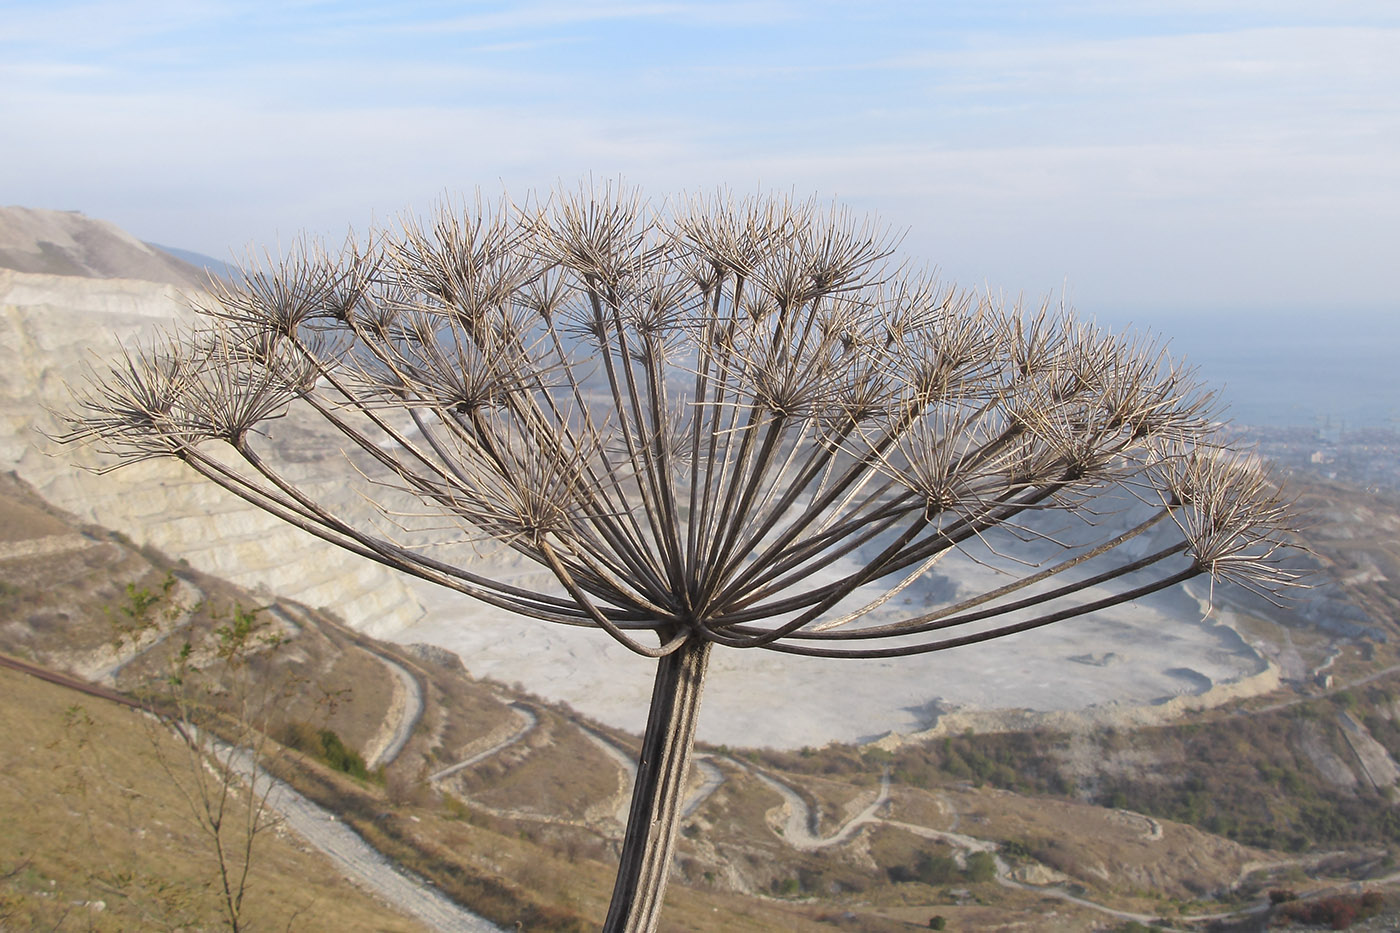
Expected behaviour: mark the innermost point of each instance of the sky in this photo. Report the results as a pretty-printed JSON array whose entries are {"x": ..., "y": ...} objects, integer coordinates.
[{"x": 1137, "y": 158}]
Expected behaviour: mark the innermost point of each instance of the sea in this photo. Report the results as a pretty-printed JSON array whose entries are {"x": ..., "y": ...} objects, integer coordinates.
[{"x": 1335, "y": 370}]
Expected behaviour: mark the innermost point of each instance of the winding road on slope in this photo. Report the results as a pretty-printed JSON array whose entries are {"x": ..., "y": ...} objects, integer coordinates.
[
  {"x": 622, "y": 800},
  {"x": 406, "y": 705},
  {"x": 405, "y": 710},
  {"x": 528, "y": 722},
  {"x": 319, "y": 827},
  {"x": 354, "y": 857},
  {"x": 713, "y": 777},
  {"x": 797, "y": 830},
  {"x": 713, "y": 781}
]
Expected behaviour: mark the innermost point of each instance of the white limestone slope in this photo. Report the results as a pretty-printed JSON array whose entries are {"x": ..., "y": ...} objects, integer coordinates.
[
  {"x": 1160, "y": 655},
  {"x": 1135, "y": 663},
  {"x": 1142, "y": 663},
  {"x": 50, "y": 327}
]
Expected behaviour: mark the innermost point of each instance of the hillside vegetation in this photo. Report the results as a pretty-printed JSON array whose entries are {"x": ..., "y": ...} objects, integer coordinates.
[{"x": 511, "y": 804}]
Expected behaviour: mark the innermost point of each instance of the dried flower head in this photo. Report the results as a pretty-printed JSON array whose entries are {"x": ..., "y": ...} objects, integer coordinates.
[{"x": 735, "y": 422}]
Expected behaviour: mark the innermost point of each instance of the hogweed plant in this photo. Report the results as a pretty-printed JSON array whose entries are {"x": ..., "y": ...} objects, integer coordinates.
[{"x": 722, "y": 422}]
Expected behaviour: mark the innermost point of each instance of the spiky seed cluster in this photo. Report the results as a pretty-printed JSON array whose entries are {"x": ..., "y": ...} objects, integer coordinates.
[
  {"x": 1231, "y": 516},
  {"x": 720, "y": 421}
]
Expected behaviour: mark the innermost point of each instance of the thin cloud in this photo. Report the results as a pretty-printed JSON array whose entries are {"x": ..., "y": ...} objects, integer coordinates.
[
  {"x": 1019, "y": 152},
  {"x": 524, "y": 45},
  {"x": 546, "y": 16}
]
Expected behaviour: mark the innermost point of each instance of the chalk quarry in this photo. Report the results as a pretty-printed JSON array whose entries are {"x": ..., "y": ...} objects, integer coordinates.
[{"x": 64, "y": 305}]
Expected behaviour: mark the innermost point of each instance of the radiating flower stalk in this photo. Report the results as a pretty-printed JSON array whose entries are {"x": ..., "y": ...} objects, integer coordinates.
[{"x": 721, "y": 422}]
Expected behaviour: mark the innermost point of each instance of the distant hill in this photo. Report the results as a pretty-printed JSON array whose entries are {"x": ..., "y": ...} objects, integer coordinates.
[
  {"x": 71, "y": 243},
  {"x": 215, "y": 267},
  {"x": 91, "y": 288}
]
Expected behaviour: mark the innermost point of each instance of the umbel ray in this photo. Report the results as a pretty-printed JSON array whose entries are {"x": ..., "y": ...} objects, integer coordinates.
[{"x": 717, "y": 422}]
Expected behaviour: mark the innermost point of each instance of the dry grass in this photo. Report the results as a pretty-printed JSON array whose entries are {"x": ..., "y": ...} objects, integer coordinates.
[
  {"x": 466, "y": 712},
  {"x": 1117, "y": 854},
  {"x": 97, "y": 835},
  {"x": 54, "y": 607},
  {"x": 541, "y": 871},
  {"x": 554, "y": 770},
  {"x": 1013, "y": 912},
  {"x": 347, "y": 688},
  {"x": 923, "y": 808},
  {"x": 21, "y": 522}
]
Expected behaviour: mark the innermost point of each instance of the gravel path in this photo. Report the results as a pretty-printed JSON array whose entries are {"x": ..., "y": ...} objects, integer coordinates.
[
  {"x": 407, "y": 706},
  {"x": 714, "y": 779},
  {"x": 797, "y": 831},
  {"x": 529, "y": 721},
  {"x": 356, "y": 859}
]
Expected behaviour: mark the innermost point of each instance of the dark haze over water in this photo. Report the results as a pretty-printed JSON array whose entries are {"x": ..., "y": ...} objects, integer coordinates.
[{"x": 1333, "y": 369}]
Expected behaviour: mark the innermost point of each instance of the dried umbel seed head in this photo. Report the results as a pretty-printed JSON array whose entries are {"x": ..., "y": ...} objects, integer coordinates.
[
  {"x": 736, "y": 396},
  {"x": 1233, "y": 517},
  {"x": 735, "y": 422},
  {"x": 129, "y": 413}
]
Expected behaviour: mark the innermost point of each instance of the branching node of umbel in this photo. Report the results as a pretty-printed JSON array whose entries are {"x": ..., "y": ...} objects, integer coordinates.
[{"x": 718, "y": 422}]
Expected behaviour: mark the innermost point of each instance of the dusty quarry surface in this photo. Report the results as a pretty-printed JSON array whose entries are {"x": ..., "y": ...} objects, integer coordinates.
[{"x": 1137, "y": 663}]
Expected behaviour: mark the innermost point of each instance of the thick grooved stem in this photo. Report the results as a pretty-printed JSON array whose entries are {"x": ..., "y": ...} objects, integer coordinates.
[{"x": 656, "y": 799}]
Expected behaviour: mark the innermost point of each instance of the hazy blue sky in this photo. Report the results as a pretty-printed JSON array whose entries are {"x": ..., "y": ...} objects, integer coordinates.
[{"x": 1145, "y": 155}]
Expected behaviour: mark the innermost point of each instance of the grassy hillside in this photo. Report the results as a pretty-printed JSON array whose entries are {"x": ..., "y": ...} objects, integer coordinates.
[
  {"x": 93, "y": 837},
  {"x": 1022, "y": 830}
]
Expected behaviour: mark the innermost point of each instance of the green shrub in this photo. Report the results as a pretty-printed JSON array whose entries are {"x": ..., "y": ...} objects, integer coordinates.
[
  {"x": 1015, "y": 849},
  {"x": 981, "y": 866},
  {"x": 325, "y": 746},
  {"x": 335, "y": 753},
  {"x": 936, "y": 869}
]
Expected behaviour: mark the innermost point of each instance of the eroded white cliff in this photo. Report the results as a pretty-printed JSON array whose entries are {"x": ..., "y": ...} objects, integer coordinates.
[{"x": 54, "y": 326}]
